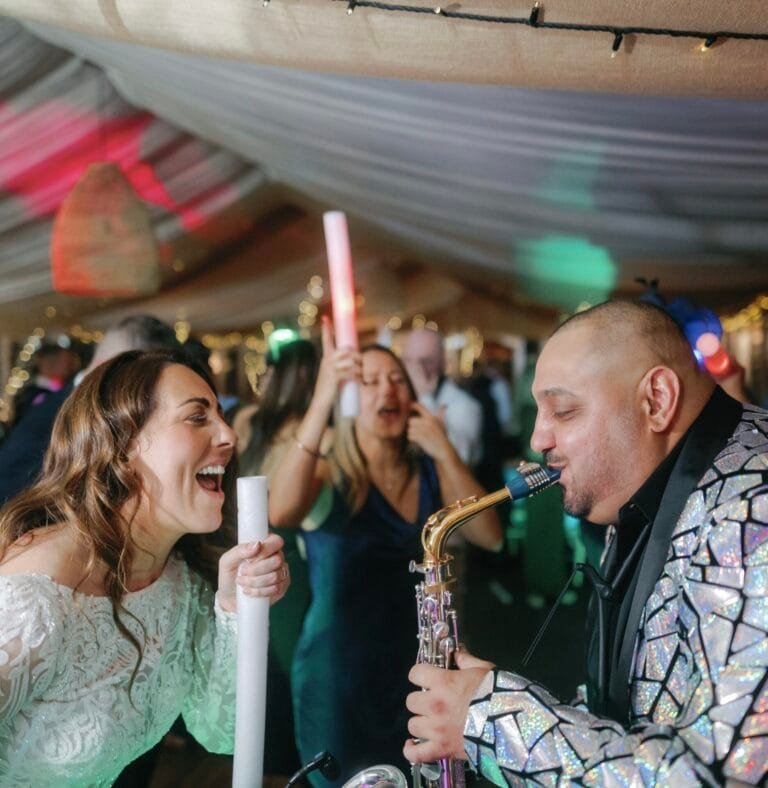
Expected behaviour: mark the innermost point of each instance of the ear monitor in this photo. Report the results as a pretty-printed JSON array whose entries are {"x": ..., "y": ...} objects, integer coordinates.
[{"x": 324, "y": 762}]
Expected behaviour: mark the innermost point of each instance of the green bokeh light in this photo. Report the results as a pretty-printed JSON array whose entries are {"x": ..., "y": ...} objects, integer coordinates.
[
  {"x": 565, "y": 270},
  {"x": 278, "y": 339}
]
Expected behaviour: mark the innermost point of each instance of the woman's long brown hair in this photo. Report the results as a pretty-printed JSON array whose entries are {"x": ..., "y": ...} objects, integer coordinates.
[{"x": 87, "y": 482}]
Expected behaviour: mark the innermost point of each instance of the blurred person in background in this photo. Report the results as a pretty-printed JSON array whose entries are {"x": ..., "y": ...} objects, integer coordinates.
[
  {"x": 21, "y": 453},
  {"x": 53, "y": 367},
  {"x": 491, "y": 386},
  {"x": 424, "y": 359}
]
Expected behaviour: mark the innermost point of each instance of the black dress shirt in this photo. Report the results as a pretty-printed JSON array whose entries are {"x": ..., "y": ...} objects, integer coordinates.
[
  {"x": 635, "y": 559},
  {"x": 22, "y": 452}
]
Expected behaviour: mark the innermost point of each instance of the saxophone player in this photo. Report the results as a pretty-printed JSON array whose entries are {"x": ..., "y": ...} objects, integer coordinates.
[{"x": 676, "y": 690}]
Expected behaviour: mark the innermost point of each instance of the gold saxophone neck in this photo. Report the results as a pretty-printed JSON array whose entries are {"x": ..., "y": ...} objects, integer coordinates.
[
  {"x": 445, "y": 521},
  {"x": 528, "y": 479}
]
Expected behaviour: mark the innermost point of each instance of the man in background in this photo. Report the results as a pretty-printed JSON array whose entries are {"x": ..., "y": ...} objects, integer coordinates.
[
  {"x": 54, "y": 366},
  {"x": 21, "y": 453},
  {"x": 424, "y": 359}
]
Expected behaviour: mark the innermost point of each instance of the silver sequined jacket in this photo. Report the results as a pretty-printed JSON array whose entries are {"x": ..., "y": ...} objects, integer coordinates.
[{"x": 699, "y": 693}]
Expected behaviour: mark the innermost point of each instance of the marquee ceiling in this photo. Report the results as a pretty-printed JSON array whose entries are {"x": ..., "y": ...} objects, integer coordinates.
[{"x": 509, "y": 203}]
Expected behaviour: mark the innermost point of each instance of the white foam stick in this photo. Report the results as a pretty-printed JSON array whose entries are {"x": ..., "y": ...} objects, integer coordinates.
[
  {"x": 342, "y": 298},
  {"x": 252, "y": 639}
]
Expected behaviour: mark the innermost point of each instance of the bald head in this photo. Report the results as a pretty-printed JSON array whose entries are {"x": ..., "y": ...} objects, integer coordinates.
[
  {"x": 635, "y": 334},
  {"x": 135, "y": 332},
  {"x": 424, "y": 347}
]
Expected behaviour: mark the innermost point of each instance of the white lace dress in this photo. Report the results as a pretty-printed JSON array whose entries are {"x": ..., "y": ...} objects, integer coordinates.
[{"x": 65, "y": 715}]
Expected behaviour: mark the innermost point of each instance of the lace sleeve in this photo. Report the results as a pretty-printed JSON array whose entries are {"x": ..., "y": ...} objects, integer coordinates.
[
  {"x": 209, "y": 709},
  {"x": 31, "y": 626},
  {"x": 515, "y": 727}
]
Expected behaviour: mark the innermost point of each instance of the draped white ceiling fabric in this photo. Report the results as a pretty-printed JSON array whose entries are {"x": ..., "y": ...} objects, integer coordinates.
[
  {"x": 556, "y": 196},
  {"x": 483, "y": 173}
]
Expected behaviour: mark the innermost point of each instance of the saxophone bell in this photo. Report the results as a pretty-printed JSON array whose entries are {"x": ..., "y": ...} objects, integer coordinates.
[{"x": 381, "y": 776}]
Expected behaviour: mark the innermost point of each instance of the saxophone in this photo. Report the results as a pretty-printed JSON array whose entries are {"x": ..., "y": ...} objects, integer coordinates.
[{"x": 438, "y": 627}]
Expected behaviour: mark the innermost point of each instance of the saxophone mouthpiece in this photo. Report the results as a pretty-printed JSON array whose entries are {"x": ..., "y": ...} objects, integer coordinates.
[{"x": 530, "y": 478}]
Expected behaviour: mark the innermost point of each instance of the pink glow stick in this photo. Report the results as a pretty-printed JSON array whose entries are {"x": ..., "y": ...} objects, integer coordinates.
[{"x": 342, "y": 299}]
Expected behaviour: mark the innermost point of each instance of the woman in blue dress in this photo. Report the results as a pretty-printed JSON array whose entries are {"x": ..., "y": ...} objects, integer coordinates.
[{"x": 362, "y": 507}]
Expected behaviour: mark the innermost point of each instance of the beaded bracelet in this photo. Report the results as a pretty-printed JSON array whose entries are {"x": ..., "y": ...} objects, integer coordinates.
[{"x": 312, "y": 452}]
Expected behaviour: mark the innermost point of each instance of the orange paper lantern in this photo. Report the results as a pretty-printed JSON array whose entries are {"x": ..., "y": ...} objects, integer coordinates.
[{"x": 102, "y": 242}]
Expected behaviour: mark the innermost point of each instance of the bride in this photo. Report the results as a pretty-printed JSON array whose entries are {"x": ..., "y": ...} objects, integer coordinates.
[{"x": 117, "y": 595}]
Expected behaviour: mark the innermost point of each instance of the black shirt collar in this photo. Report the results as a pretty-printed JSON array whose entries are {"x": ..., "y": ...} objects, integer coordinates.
[
  {"x": 704, "y": 439},
  {"x": 647, "y": 499},
  {"x": 663, "y": 497},
  {"x": 642, "y": 507},
  {"x": 646, "y": 522}
]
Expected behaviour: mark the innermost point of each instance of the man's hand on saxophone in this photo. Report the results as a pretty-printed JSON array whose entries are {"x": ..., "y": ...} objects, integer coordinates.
[{"x": 441, "y": 711}]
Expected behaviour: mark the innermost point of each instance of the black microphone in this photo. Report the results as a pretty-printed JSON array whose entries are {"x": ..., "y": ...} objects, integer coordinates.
[{"x": 324, "y": 761}]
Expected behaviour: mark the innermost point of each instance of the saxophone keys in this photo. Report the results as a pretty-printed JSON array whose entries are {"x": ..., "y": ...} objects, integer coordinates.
[{"x": 440, "y": 630}]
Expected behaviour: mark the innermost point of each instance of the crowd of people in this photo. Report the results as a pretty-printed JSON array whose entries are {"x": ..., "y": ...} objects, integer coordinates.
[{"x": 118, "y": 565}]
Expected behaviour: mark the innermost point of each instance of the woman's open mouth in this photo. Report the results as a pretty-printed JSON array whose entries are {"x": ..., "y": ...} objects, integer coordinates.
[{"x": 210, "y": 478}]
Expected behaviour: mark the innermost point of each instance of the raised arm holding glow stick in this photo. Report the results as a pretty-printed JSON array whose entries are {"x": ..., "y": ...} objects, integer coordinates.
[
  {"x": 252, "y": 639},
  {"x": 342, "y": 299}
]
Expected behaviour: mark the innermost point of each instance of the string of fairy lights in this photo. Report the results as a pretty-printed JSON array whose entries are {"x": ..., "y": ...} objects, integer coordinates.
[
  {"x": 535, "y": 19},
  {"x": 19, "y": 373},
  {"x": 255, "y": 345},
  {"x": 748, "y": 316}
]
